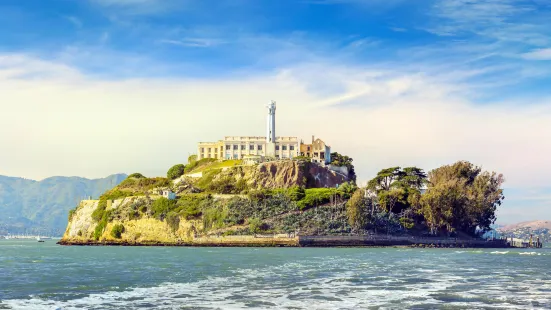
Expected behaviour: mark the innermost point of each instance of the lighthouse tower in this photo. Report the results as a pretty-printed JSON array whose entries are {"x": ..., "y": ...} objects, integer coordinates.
[{"x": 270, "y": 130}]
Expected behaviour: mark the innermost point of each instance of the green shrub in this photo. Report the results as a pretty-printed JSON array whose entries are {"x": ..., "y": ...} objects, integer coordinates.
[
  {"x": 198, "y": 163},
  {"x": 316, "y": 196},
  {"x": 162, "y": 206},
  {"x": 175, "y": 171},
  {"x": 98, "y": 213},
  {"x": 173, "y": 221},
  {"x": 72, "y": 213},
  {"x": 117, "y": 231},
  {"x": 295, "y": 193},
  {"x": 190, "y": 205},
  {"x": 136, "y": 176},
  {"x": 255, "y": 225},
  {"x": 115, "y": 193},
  {"x": 214, "y": 217}
]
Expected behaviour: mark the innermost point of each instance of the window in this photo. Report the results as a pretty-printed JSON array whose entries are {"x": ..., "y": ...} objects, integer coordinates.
[
  {"x": 259, "y": 147},
  {"x": 308, "y": 148},
  {"x": 202, "y": 150},
  {"x": 235, "y": 147},
  {"x": 292, "y": 147},
  {"x": 228, "y": 147},
  {"x": 243, "y": 147},
  {"x": 228, "y": 156},
  {"x": 277, "y": 147},
  {"x": 284, "y": 147},
  {"x": 209, "y": 149},
  {"x": 235, "y": 156},
  {"x": 251, "y": 147}
]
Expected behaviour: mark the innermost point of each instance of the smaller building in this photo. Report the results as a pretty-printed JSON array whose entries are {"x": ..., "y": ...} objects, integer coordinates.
[
  {"x": 318, "y": 151},
  {"x": 168, "y": 194}
]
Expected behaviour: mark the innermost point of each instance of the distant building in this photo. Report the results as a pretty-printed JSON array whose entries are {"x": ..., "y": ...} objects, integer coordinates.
[
  {"x": 271, "y": 146},
  {"x": 318, "y": 151},
  {"x": 168, "y": 194}
]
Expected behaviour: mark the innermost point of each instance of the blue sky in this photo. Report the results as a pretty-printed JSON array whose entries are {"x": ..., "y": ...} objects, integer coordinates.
[{"x": 390, "y": 82}]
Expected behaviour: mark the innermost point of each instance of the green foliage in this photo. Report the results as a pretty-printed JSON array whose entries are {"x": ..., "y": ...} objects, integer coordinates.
[
  {"x": 136, "y": 176},
  {"x": 191, "y": 159},
  {"x": 175, "y": 171},
  {"x": 116, "y": 193},
  {"x": 295, "y": 193},
  {"x": 190, "y": 206},
  {"x": 344, "y": 161},
  {"x": 397, "y": 188},
  {"x": 461, "y": 198},
  {"x": 194, "y": 164},
  {"x": 407, "y": 223},
  {"x": 302, "y": 158},
  {"x": 173, "y": 221},
  {"x": 100, "y": 227},
  {"x": 317, "y": 196},
  {"x": 162, "y": 206},
  {"x": 214, "y": 217},
  {"x": 117, "y": 231},
  {"x": 72, "y": 213},
  {"x": 255, "y": 225},
  {"x": 357, "y": 210},
  {"x": 99, "y": 212}
]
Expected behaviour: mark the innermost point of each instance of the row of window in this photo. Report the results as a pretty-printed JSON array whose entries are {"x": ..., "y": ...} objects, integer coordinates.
[{"x": 251, "y": 148}]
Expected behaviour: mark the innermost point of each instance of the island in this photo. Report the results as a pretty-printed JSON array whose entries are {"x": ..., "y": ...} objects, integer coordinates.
[{"x": 281, "y": 191}]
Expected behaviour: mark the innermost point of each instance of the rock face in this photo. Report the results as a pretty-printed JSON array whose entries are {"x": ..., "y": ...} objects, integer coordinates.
[
  {"x": 285, "y": 174},
  {"x": 151, "y": 231}
]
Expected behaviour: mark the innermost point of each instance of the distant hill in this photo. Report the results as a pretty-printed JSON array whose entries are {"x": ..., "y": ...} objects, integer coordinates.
[
  {"x": 540, "y": 224},
  {"x": 42, "y": 206}
]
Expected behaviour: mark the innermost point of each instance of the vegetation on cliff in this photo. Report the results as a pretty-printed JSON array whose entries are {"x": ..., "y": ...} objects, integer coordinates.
[{"x": 278, "y": 197}]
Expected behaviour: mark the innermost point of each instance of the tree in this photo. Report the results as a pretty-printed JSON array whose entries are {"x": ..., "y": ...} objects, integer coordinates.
[
  {"x": 357, "y": 209},
  {"x": 136, "y": 176},
  {"x": 394, "y": 186},
  {"x": 255, "y": 225},
  {"x": 344, "y": 161},
  {"x": 175, "y": 171},
  {"x": 461, "y": 198}
]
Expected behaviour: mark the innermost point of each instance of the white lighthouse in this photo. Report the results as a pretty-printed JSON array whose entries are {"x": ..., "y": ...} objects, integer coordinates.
[{"x": 270, "y": 130}]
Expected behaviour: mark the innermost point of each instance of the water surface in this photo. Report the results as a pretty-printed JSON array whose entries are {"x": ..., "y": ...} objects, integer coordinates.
[{"x": 47, "y": 276}]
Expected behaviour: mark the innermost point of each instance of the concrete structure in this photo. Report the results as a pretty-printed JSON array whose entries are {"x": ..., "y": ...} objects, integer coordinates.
[
  {"x": 252, "y": 159},
  {"x": 168, "y": 194},
  {"x": 236, "y": 147},
  {"x": 318, "y": 151},
  {"x": 269, "y": 147}
]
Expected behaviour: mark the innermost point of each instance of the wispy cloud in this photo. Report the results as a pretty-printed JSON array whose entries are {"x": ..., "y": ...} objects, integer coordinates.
[
  {"x": 539, "y": 54},
  {"x": 194, "y": 42},
  {"x": 75, "y": 21}
]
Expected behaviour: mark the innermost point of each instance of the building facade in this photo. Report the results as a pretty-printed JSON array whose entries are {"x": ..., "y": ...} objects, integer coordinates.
[
  {"x": 270, "y": 146},
  {"x": 235, "y": 147}
]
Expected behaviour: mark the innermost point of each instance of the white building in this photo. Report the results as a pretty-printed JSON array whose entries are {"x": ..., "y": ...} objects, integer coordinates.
[{"x": 236, "y": 147}]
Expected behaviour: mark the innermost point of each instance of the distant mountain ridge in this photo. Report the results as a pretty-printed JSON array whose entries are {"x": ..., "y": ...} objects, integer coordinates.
[
  {"x": 539, "y": 224},
  {"x": 42, "y": 206}
]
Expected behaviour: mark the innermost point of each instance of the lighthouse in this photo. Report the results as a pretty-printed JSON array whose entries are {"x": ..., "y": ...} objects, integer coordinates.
[{"x": 270, "y": 130}]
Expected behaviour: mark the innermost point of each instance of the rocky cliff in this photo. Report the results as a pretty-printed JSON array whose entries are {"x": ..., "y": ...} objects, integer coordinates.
[{"x": 230, "y": 206}]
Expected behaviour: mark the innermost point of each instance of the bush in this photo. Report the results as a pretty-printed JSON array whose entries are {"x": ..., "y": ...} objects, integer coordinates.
[
  {"x": 198, "y": 163},
  {"x": 98, "y": 213},
  {"x": 136, "y": 176},
  {"x": 162, "y": 206},
  {"x": 190, "y": 205},
  {"x": 117, "y": 231},
  {"x": 295, "y": 193},
  {"x": 115, "y": 193},
  {"x": 173, "y": 221},
  {"x": 255, "y": 225},
  {"x": 175, "y": 171},
  {"x": 316, "y": 196}
]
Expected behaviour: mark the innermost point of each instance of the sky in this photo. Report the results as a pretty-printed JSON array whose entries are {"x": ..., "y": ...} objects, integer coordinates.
[{"x": 96, "y": 87}]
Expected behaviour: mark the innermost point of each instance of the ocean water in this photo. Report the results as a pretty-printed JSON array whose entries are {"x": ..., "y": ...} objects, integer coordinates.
[{"x": 47, "y": 276}]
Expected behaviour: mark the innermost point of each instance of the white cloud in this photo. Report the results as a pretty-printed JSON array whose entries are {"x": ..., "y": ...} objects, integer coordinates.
[{"x": 539, "y": 54}]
